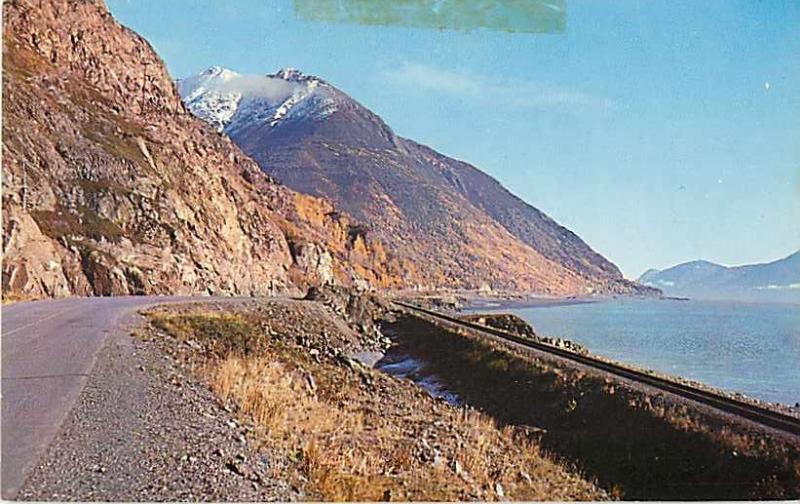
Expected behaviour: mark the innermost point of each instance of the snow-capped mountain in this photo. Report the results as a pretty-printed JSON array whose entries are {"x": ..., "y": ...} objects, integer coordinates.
[
  {"x": 228, "y": 100},
  {"x": 440, "y": 217}
]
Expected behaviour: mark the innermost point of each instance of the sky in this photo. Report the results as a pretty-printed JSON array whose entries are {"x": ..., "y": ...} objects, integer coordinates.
[{"x": 659, "y": 132}]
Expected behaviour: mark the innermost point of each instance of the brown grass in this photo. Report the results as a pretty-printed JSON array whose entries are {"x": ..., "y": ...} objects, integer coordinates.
[
  {"x": 359, "y": 435},
  {"x": 348, "y": 454},
  {"x": 297, "y": 422},
  {"x": 12, "y": 297}
]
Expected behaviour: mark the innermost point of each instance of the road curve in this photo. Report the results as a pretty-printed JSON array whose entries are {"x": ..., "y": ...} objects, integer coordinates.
[{"x": 48, "y": 350}]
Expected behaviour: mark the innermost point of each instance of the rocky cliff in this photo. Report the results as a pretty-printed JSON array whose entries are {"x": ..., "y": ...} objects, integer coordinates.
[
  {"x": 456, "y": 225},
  {"x": 111, "y": 187}
]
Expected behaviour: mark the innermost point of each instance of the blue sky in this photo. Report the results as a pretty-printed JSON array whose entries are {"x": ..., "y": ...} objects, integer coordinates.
[{"x": 660, "y": 132}]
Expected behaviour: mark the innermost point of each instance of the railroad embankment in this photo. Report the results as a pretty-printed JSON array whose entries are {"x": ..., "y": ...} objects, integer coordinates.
[{"x": 637, "y": 442}]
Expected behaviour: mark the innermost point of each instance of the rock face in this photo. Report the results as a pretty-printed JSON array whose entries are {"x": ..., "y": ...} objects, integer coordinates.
[
  {"x": 112, "y": 187},
  {"x": 773, "y": 281},
  {"x": 455, "y": 225}
]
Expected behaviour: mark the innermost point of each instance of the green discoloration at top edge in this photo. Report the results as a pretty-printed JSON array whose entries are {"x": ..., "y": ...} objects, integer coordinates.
[{"x": 514, "y": 16}]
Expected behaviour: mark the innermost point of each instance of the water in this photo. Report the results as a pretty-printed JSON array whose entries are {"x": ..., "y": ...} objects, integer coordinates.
[
  {"x": 752, "y": 348},
  {"x": 402, "y": 365}
]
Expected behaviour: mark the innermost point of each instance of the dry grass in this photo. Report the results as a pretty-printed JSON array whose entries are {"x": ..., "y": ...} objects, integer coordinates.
[
  {"x": 348, "y": 453},
  {"x": 347, "y": 434},
  {"x": 221, "y": 333},
  {"x": 12, "y": 297},
  {"x": 297, "y": 423}
]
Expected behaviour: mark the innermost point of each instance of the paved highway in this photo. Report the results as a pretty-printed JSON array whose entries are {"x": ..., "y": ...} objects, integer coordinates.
[{"x": 48, "y": 350}]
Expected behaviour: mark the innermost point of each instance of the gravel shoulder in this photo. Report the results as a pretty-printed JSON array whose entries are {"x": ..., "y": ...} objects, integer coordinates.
[{"x": 144, "y": 430}]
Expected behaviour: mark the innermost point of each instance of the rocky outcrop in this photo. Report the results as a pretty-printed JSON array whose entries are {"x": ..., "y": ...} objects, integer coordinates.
[
  {"x": 111, "y": 187},
  {"x": 516, "y": 325},
  {"x": 361, "y": 310},
  {"x": 505, "y": 321}
]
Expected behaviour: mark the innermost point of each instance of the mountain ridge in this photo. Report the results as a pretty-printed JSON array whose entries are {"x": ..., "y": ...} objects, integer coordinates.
[
  {"x": 461, "y": 227},
  {"x": 777, "y": 280}
]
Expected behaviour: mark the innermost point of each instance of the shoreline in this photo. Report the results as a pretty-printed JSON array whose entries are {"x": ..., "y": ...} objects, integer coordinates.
[
  {"x": 532, "y": 302},
  {"x": 630, "y": 361}
]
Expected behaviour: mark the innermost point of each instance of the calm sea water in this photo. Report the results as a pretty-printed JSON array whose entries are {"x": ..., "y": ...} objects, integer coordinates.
[{"x": 744, "y": 347}]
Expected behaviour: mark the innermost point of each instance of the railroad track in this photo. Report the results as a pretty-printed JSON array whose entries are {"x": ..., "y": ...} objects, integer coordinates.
[{"x": 764, "y": 416}]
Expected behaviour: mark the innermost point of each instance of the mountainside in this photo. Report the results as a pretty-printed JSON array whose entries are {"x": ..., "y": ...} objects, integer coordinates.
[
  {"x": 775, "y": 281},
  {"x": 111, "y": 187},
  {"x": 458, "y": 226}
]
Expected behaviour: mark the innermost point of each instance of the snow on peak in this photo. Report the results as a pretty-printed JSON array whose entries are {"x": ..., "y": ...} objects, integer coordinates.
[
  {"x": 206, "y": 96},
  {"x": 229, "y": 100}
]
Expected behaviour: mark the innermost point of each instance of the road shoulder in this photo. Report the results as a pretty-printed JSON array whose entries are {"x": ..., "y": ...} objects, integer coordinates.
[{"x": 144, "y": 430}]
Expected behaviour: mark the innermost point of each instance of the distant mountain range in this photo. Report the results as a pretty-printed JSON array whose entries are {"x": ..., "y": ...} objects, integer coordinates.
[
  {"x": 451, "y": 224},
  {"x": 775, "y": 281}
]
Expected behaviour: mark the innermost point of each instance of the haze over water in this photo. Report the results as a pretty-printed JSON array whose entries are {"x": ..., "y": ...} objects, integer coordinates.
[{"x": 753, "y": 348}]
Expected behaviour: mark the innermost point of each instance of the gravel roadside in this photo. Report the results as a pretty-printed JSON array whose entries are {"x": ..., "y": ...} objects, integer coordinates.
[{"x": 144, "y": 430}]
